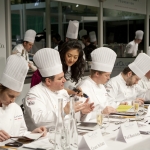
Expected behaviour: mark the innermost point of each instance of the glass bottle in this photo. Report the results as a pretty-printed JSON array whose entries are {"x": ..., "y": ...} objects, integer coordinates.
[
  {"x": 60, "y": 139},
  {"x": 73, "y": 128}
]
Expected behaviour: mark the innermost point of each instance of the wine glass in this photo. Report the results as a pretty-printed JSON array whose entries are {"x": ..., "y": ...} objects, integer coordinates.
[
  {"x": 102, "y": 121},
  {"x": 136, "y": 108}
]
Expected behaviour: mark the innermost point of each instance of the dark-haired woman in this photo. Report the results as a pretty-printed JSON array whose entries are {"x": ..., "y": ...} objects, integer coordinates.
[{"x": 71, "y": 55}]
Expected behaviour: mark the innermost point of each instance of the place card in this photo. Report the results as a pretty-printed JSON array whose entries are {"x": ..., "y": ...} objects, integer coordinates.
[
  {"x": 128, "y": 132},
  {"x": 93, "y": 141}
]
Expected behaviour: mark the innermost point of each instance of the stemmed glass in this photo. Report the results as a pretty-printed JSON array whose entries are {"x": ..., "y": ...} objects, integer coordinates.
[
  {"x": 102, "y": 121},
  {"x": 136, "y": 108}
]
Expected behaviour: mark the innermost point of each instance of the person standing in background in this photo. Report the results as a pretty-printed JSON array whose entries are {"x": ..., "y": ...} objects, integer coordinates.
[
  {"x": 57, "y": 40},
  {"x": 132, "y": 47},
  {"x": 24, "y": 48},
  {"x": 92, "y": 46}
]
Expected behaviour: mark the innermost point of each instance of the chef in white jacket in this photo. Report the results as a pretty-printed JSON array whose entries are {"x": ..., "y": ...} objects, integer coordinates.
[
  {"x": 11, "y": 83},
  {"x": 132, "y": 47},
  {"x": 41, "y": 102},
  {"x": 124, "y": 88},
  {"x": 24, "y": 48},
  {"x": 103, "y": 60},
  {"x": 145, "y": 81}
]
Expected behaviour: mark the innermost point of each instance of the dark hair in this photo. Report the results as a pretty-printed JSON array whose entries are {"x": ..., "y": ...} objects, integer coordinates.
[
  {"x": 86, "y": 37},
  {"x": 44, "y": 78},
  {"x": 94, "y": 71},
  {"x": 56, "y": 36},
  {"x": 25, "y": 41},
  {"x": 77, "y": 69},
  {"x": 3, "y": 88},
  {"x": 126, "y": 70}
]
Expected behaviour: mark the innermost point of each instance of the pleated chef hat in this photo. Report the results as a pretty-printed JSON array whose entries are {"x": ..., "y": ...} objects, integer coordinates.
[
  {"x": 14, "y": 73},
  {"x": 92, "y": 36},
  {"x": 72, "y": 31},
  {"x": 48, "y": 62},
  {"x": 30, "y": 36},
  {"x": 139, "y": 34},
  {"x": 140, "y": 66},
  {"x": 82, "y": 32},
  {"x": 103, "y": 59}
]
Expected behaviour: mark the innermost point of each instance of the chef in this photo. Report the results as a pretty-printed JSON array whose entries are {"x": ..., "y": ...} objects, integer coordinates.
[
  {"x": 72, "y": 31},
  {"x": 24, "y": 48},
  {"x": 124, "y": 88},
  {"x": 11, "y": 83},
  {"x": 41, "y": 102},
  {"x": 145, "y": 81},
  {"x": 132, "y": 47},
  {"x": 103, "y": 60},
  {"x": 82, "y": 33},
  {"x": 92, "y": 46}
]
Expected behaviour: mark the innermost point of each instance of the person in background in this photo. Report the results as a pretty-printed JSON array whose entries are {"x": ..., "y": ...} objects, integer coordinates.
[
  {"x": 11, "y": 83},
  {"x": 57, "y": 40},
  {"x": 92, "y": 46},
  {"x": 124, "y": 88},
  {"x": 41, "y": 102},
  {"x": 82, "y": 33},
  {"x": 86, "y": 40},
  {"x": 145, "y": 81},
  {"x": 132, "y": 47},
  {"x": 24, "y": 48},
  {"x": 103, "y": 60}
]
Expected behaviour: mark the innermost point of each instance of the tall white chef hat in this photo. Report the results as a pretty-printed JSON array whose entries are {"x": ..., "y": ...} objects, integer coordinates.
[
  {"x": 30, "y": 36},
  {"x": 140, "y": 66},
  {"x": 72, "y": 31},
  {"x": 14, "y": 73},
  {"x": 48, "y": 62},
  {"x": 92, "y": 36},
  {"x": 139, "y": 34},
  {"x": 82, "y": 32},
  {"x": 103, "y": 59}
]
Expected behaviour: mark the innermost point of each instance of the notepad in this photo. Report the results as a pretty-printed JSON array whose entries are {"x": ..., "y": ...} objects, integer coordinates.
[{"x": 124, "y": 108}]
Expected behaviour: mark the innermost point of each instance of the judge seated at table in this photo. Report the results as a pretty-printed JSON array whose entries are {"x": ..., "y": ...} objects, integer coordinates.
[
  {"x": 103, "y": 60},
  {"x": 124, "y": 88}
]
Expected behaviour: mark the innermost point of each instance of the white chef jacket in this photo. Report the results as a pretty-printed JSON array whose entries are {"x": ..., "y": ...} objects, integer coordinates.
[
  {"x": 144, "y": 83},
  {"x": 12, "y": 120},
  {"x": 18, "y": 50},
  {"x": 132, "y": 48},
  {"x": 41, "y": 106},
  {"x": 119, "y": 92},
  {"x": 97, "y": 94}
]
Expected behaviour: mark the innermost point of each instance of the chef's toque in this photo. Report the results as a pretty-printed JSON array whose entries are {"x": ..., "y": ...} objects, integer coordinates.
[
  {"x": 30, "y": 36},
  {"x": 140, "y": 66},
  {"x": 72, "y": 31},
  {"x": 103, "y": 59},
  {"x": 92, "y": 36},
  {"x": 139, "y": 34},
  {"x": 82, "y": 33},
  {"x": 48, "y": 62},
  {"x": 14, "y": 73}
]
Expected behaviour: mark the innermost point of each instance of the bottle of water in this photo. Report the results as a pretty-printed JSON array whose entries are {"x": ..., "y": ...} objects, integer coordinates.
[
  {"x": 60, "y": 137},
  {"x": 73, "y": 128}
]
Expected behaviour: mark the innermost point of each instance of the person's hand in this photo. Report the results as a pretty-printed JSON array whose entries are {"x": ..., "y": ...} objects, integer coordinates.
[
  {"x": 72, "y": 92},
  {"x": 78, "y": 106},
  {"x": 4, "y": 136},
  {"x": 108, "y": 110},
  {"x": 140, "y": 100},
  {"x": 88, "y": 107},
  {"x": 124, "y": 103},
  {"x": 40, "y": 130}
]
